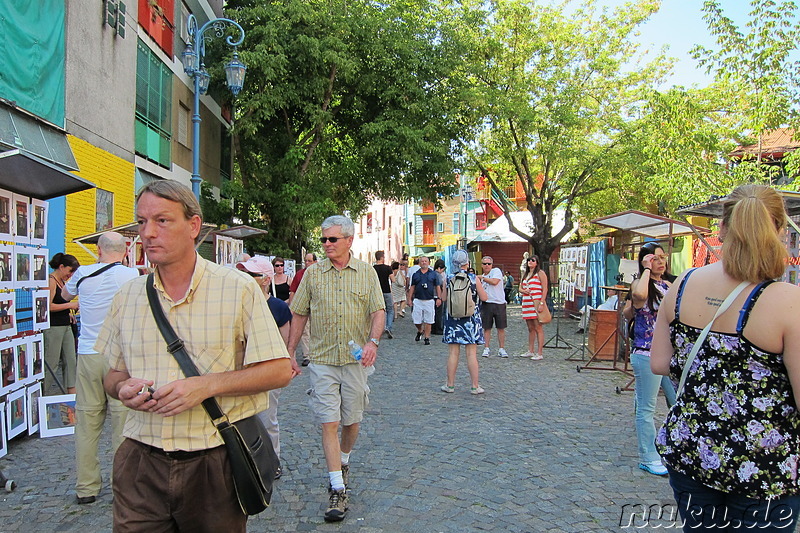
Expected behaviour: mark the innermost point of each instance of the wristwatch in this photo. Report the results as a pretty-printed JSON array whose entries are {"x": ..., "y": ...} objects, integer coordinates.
[{"x": 376, "y": 341}]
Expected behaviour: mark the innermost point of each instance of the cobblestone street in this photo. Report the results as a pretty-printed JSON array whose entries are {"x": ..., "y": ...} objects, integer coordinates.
[{"x": 545, "y": 449}]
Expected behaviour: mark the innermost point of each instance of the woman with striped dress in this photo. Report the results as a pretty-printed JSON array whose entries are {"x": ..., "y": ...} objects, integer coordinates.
[{"x": 533, "y": 289}]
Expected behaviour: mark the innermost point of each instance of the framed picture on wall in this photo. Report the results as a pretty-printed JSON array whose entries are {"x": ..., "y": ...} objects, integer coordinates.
[
  {"x": 41, "y": 309},
  {"x": 6, "y": 216},
  {"x": 56, "y": 415},
  {"x": 23, "y": 362},
  {"x": 8, "y": 366},
  {"x": 7, "y": 262},
  {"x": 39, "y": 210},
  {"x": 16, "y": 414},
  {"x": 23, "y": 264},
  {"x": 36, "y": 350},
  {"x": 40, "y": 267},
  {"x": 33, "y": 393},
  {"x": 3, "y": 435},
  {"x": 22, "y": 220},
  {"x": 8, "y": 314}
]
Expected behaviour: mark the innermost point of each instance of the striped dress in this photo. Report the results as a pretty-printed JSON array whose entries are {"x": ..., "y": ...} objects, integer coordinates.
[{"x": 534, "y": 285}]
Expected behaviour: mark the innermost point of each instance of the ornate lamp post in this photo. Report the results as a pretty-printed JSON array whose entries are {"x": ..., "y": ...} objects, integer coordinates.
[{"x": 193, "y": 64}]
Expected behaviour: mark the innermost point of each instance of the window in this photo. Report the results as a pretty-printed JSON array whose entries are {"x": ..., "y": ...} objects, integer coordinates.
[
  {"x": 440, "y": 227},
  {"x": 480, "y": 220},
  {"x": 104, "y": 214},
  {"x": 153, "y": 107},
  {"x": 456, "y": 223},
  {"x": 184, "y": 22},
  {"x": 184, "y": 117}
]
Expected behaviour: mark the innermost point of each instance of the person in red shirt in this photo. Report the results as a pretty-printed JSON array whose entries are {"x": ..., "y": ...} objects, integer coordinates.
[{"x": 309, "y": 260}]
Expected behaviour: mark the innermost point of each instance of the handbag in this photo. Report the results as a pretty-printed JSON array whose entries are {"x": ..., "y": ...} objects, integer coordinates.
[
  {"x": 252, "y": 458},
  {"x": 703, "y": 334},
  {"x": 544, "y": 316}
]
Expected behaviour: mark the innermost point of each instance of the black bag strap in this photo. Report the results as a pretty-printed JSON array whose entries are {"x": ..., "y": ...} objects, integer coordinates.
[
  {"x": 97, "y": 272},
  {"x": 176, "y": 347}
]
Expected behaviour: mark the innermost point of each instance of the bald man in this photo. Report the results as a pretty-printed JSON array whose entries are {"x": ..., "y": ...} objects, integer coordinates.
[{"x": 96, "y": 286}]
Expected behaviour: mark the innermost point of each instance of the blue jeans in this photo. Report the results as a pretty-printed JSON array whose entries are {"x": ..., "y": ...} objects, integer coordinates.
[
  {"x": 389, "y": 301},
  {"x": 705, "y": 509},
  {"x": 645, "y": 395}
]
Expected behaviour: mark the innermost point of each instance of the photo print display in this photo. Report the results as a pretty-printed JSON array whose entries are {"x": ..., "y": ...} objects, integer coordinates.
[
  {"x": 8, "y": 317},
  {"x": 40, "y": 267},
  {"x": 39, "y": 210},
  {"x": 22, "y": 219},
  {"x": 7, "y": 262},
  {"x": 6, "y": 216},
  {"x": 33, "y": 393},
  {"x": 23, "y": 264},
  {"x": 36, "y": 350},
  {"x": 41, "y": 309},
  {"x": 8, "y": 366},
  {"x": 3, "y": 435},
  {"x": 16, "y": 414},
  {"x": 56, "y": 415},
  {"x": 23, "y": 362}
]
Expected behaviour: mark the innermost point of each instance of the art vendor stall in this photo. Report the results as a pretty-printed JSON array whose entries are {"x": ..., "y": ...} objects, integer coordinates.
[
  {"x": 607, "y": 346},
  {"x": 26, "y": 183}
]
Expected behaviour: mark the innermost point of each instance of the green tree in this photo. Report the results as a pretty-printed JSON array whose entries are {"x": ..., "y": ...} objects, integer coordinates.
[{"x": 344, "y": 100}]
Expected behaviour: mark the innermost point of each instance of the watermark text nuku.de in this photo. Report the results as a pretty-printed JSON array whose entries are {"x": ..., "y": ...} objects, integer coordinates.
[{"x": 667, "y": 516}]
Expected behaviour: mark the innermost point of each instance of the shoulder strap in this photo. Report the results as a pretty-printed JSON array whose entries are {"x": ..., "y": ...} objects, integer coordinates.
[
  {"x": 744, "y": 312},
  {"x": 97, "y": 272},
  {"x": 703, "y": 334},
  {"x": 176, "y": 347},
  {"x": 680, "y": 291}
]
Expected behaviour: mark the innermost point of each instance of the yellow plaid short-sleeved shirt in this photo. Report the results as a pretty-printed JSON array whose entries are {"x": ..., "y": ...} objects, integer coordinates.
[
  {"x": 224, "y": 322},
  {"x": 340, "y": 302}
]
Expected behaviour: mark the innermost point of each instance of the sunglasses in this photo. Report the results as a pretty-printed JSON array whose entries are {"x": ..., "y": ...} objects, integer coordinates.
[
  {"x": 323, "y": 240},
  {"x": 253, "y": 274},
  {"x": 279, "y": 265},
  {"x": 486, "y": 263},
  {"x": 534, "y": 260}
]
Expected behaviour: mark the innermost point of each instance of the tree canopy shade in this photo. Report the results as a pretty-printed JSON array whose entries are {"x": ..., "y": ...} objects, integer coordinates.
[
  {"x": 562, "y": 97},
  {"x": 344, "y": 99}
]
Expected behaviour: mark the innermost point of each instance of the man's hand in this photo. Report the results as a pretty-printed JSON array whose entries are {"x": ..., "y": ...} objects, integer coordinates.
[
  {"x": 369, "y": 353},
  {"x": 438, "y": 302},
  {"x": 181, "y": 395},
  {"x": 296, "y": 371},
  {"x": 130, "y": 394}
]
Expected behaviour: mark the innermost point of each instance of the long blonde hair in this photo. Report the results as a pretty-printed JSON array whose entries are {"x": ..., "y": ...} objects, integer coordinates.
[{"x": 753, "y": 218}]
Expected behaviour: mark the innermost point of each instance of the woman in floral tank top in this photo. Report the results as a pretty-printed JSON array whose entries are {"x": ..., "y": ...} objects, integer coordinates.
[{"x": 731, "y": 442}]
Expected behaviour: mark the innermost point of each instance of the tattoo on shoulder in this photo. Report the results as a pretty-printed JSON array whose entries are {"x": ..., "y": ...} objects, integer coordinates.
[{"x": 713, "y": 302}]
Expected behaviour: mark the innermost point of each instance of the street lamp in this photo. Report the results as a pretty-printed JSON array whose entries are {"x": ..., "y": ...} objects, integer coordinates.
[{"x": 193, "y": 65}]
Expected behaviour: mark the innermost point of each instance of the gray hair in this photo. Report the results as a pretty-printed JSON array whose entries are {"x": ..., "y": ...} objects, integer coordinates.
[
  {"x": 348, "y": 228},
  {"x": 460, "y": 258},
  {"x": 112, "y": 242}
]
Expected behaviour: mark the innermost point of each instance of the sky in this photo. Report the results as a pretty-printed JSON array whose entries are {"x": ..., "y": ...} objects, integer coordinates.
[{"x": 679, "y": 25}]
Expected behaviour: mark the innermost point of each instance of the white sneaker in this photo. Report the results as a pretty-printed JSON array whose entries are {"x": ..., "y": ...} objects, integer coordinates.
[
  {"x": 502, "y": 352},
  {"x": 485, "y": 352},
  {"x": 536, "y": 357},
  {"x": 526, "y": 355}
]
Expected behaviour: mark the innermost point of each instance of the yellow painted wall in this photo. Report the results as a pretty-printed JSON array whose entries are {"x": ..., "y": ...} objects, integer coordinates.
[{"x": 108, "y": 172}]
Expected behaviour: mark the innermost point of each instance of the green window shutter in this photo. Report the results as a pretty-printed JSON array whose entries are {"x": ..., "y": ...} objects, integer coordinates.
[{"x": 153, "y": 107}]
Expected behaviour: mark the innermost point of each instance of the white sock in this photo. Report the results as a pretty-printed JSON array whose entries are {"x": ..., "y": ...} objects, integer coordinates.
[
  {"x": 337, "y": 482},
  {"x": 345, "y": 458}
]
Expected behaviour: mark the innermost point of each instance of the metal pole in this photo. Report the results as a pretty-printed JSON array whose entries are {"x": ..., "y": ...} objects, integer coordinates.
[{"x": 196, "y": 138}]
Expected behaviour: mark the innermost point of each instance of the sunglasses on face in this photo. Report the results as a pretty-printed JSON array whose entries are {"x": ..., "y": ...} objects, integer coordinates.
[
  {"x": 323, "y": 240},
  {"x": 533, "y": 260},
  {"x": 279, "y": 265},
  {"x": 253, "y": 274},
  {"x": 488, "y": 264}
]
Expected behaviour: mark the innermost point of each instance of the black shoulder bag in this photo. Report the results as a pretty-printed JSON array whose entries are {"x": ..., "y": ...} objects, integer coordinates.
[{"x": 252, "y": 458}]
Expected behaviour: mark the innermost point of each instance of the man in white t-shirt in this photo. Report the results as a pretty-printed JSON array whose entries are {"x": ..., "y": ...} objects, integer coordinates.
[
  {"x": 493, "y": 310},
  {"x": 96, "y": 286}
]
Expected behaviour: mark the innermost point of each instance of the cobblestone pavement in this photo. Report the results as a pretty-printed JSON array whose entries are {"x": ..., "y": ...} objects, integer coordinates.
[{"x": 545, "y": 449}]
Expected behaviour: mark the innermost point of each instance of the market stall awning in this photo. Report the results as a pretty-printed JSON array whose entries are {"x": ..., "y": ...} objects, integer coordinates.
[
  {"x": 498, "y": 231},
  {"x": 713, "y": 208},
  {"x": 647, "y": 224},
  {"x": 27, "y": 174},
  {"x": 239, "y": 232}
]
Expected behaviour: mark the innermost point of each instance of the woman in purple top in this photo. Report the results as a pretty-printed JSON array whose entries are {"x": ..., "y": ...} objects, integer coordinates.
[
  {"x": 646, "y": 294},
  {"x": 732, "y": 440}
]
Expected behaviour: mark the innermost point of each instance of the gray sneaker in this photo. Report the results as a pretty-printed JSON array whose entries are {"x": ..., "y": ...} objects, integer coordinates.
[{"x": 337, "y": 506}]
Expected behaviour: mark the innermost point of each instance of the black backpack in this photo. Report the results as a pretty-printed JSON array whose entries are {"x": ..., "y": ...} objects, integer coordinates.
[{"x": 460, "y": 303}]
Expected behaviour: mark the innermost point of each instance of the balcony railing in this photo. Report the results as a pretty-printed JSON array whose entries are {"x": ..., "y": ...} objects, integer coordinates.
[{"x": 427, "y": 239}]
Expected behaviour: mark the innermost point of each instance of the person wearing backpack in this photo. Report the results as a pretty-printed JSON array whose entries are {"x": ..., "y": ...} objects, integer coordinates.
[{"x": 462, "y": 321}]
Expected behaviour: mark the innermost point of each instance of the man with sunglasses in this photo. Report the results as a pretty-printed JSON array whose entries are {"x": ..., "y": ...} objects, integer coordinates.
[
  {"x": 426, "y": 291},
  {"x": 344, "y": 296},
  {"x": 493, "y": 311}
]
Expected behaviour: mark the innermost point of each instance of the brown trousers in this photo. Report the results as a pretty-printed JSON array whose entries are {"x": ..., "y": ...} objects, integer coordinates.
[{"x": 154, "y": 493}]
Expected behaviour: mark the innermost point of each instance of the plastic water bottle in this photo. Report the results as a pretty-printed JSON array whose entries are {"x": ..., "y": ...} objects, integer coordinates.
[{"x": 356, "y": 351}]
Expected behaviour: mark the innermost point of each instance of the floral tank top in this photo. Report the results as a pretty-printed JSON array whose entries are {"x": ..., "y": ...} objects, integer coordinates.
[
  {"x": 644, "y": 322},
  {"x": 735, "y": 428}
]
